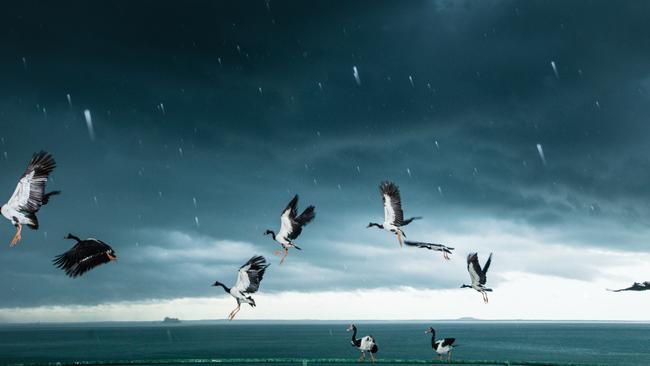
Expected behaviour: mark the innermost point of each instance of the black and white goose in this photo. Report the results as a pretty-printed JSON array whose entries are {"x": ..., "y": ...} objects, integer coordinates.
[
  {"x": 477, "y": 274},
  {"x": 248, "y": 282},
  {"x": 84, "y": 256},
  {"x": 291, "y": 226},
  {"x": 30, "y": 194},
  {"x": 636, "y": 286},
  {"x": 393, "y": 214},
  {"x": 441, "y": 346},
  {"x": 431, "y": 246},
  {"x": 364, "y": 344}
]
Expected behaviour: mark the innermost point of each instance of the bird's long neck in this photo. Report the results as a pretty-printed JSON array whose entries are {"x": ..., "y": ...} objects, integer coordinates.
[
  {"x": 225, "y": 288},
  {"x": 465, "y": 286},
  {"x": 354, "y": 334},
  {"x": 272, "y": 233},
  {"x": 377, "y": 225},
  {"x": 433, "y": 338},
  {"x": 70, "y": 236}
]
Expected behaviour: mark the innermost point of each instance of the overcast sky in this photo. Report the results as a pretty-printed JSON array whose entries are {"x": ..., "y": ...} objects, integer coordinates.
[{"x": 208, "y": 117}]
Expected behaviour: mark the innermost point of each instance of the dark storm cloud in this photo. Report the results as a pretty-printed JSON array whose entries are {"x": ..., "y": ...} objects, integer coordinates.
[{"x": 483, "y": 94}]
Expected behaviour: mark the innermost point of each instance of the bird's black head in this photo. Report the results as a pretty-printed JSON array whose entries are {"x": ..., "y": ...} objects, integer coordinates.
[
  {"x": 465, "y": 286},
  {"x": 375, "y": 224},
  {"x": 352, "y": 327},
  {"x": 268, "y": 232},
  {"x": 429, "y": 330},
  {"x": 111, "y": 255},
  {"x": 69, "y": 236}
]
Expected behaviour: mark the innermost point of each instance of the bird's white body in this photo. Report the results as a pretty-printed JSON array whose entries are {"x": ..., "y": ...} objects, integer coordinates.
[
  {"x": 15, "y": 216},
  {"x": 367, "y": 343},
  {"x": 442, "y": 350}
]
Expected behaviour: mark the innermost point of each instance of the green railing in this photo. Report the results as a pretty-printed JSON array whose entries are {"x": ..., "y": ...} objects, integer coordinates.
[{"x": 301, "y": 361}]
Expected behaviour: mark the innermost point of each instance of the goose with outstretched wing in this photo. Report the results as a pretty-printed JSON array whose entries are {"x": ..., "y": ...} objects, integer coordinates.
[
  {"x": 248, "y": 282},
  {"x": 84, "y": 256},
  {"x": 29, "y": 195},
  {"x": 478, "y": 274},
  {"x": 291, "y": 225},
  {"x": 393, "y": 214},
  {"x": 431, "y": 246}
]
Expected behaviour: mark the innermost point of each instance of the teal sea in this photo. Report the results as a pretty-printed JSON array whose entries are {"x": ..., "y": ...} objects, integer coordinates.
[{"x": 611, "y": 343}]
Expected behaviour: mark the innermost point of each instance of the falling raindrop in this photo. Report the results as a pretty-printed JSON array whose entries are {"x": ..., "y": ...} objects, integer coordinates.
[
  {"x": 260, "y": 90},
  {"x": 411, "y": 80},
  {"x": 555, "y": 69},
  {"x": 219, "y": 60},
  {"x": 355, "y": 72},
  {"x": 162, "y": 108},
  {"x": 69, "y": 98},
  {"x": 541, "y": 153},
  {"x": 436, "y": 143},
  {"x": 320, "y": 86},
  {"x": 196, "y": 221},
  {"x": 89, "y": 124},
  {"x": 338, "y": 186},
  {"x": 95, "y": 200},
  {"x": 194, "y": 201},
  {"x": 358, "y": 169},
  {"x": 180, "y": 151},
  {"x": 408, "y": 171},
  {"x": 440, "y": 190},
  {"x": 5, "y": 155},
  {"x": 24, "y": 63},
  {"x": 597, "y": 104},
  {"x": 315, "y": 182}
]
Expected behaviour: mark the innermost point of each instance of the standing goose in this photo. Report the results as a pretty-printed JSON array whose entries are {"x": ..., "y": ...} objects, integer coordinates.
[
  {"x": 432, "y": 246},
  {"x": 291, "y": 226},
  {"x": 393, "y": 214},
  {"x": 84, "y": 256},
  {"x": 477, "y": 275},
  {"x": 365, "y": 344},
  {"x": 30, "y": 194},
  {"x": 442, "y": 346},
  {"x": 248, "y": 282}
]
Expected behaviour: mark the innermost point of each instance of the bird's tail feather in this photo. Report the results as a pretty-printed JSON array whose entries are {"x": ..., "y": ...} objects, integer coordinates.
[
  {"x": 408, "y": 221},
  {"x": 46, "y": 197}
]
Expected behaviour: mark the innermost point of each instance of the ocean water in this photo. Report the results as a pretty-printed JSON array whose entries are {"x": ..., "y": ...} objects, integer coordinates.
[{"x": 611, "y": 343}]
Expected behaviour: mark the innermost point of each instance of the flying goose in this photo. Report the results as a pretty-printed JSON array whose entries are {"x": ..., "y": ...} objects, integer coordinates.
[
  {"x": 30, "y": 194},
  {"x": 248, "y": 282},
  {"x": 291, "y": 226},
  {"x": 393, "y": 214},
  {"x": 477, "y": 274},
  {"x": 636, "y": 286},
  {"x": 431, "y": 246}
]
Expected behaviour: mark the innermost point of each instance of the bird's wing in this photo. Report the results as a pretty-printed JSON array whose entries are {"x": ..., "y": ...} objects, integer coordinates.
[
  {"x": 485, "y": 268},
  {"x": 430, "y": 246},
  {"x": 305, "y": 218},
  {"x": 83, "y": 256},
  {"x": 251, "y": 274},
  {"x": 474, "y": 268},
  {"x": 287, "y": 225},
  {"x": 448, "y": 341},
  {"x": 30, "y": 191},
  {"x": 392, "y": 203}
]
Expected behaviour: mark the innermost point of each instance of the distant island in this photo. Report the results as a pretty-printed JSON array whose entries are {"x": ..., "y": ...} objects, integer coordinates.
[{"x": 171, "y": 320}]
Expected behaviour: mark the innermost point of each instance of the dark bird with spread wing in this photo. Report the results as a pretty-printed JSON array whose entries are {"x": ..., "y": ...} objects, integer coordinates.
[
  {"x": 636, "y": 286},
  {"x": 84, "y": 256}
]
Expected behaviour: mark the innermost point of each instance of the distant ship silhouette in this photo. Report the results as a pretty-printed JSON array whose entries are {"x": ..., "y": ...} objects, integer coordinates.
[{"x": 171, "y": 320}]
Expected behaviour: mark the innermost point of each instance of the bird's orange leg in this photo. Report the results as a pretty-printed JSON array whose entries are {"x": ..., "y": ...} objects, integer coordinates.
[
  {"x": 234, "y": 312},
  {"x": 399, "y": 238},
  {"x": 17, "y": 237},
  {"x": 372, "y": 357},
  {"x": 286, "y": 252}
]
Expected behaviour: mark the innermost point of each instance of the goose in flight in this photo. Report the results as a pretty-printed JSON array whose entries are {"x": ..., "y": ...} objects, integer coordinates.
[
  {"x": 393, "y": 214},
  {"x": 291, "y": 226},
  {"x": 30, "y": 194},
  {"x": 477, "y": 274},
  {"x": 248, "y": 282},
  {"x": 84, "y": 256},
  {"x": 431, "y": 246},
  {"x": 636, "y": 286}
]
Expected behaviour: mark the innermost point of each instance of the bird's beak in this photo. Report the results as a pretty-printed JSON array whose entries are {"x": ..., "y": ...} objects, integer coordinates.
[{"x": 111, "y": 257}]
